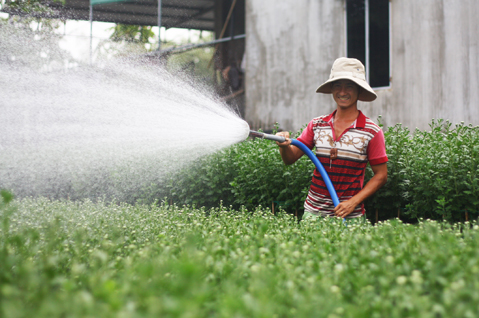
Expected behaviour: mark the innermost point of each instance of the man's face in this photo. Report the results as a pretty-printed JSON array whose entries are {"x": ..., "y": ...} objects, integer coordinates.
[{"x": 345, "y": 93}]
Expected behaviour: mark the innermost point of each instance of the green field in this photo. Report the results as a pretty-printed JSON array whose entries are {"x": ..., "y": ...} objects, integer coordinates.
[{"x": 84, "y": 259}]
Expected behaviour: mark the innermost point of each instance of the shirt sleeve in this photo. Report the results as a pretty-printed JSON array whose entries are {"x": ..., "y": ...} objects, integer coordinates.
[
  {"x": 377, "y": 149},
  {"x": 307, "y": 136}
]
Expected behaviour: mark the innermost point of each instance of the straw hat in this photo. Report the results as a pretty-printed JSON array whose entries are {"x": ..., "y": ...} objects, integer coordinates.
[{"x": 350, "y": 69}]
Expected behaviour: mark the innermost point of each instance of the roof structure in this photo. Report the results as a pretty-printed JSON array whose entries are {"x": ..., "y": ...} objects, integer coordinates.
[{"x": 188, "y": 14}]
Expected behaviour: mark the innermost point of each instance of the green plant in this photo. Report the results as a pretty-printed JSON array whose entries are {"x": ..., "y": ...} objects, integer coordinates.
[
  {"x": 81, "y": 259},
  {"x": 247, "y": 174},
  {"x": 392, "y": 197},
  {"x": 431, "y": 174},
  {"x": 263, "y": 178},
  {"x": 206, "y": 182},
  {"x": 442, "y": 177}
]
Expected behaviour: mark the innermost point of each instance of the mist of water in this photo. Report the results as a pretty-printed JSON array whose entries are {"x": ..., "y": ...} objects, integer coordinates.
[{"x": 104, "y": 131}]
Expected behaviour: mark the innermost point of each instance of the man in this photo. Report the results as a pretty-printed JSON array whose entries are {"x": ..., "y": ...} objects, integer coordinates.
[{"x": 345, "y": 142}]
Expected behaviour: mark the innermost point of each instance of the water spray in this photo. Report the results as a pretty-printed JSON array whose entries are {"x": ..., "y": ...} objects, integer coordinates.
[{"x": 309, "y": 153}]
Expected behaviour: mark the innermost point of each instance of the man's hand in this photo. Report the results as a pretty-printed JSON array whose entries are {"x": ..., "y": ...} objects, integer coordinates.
[
  {"x": 284, "y": 134},
  {"x": 374, "y": 184},
  {"x": 289, "y": 154},
  {"x": 344, "y": 208}
]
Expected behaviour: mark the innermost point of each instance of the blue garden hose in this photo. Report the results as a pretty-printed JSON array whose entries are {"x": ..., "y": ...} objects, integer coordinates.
[
  {"x": 319, "y": 166},
  {"x": 310, "y": 154}
]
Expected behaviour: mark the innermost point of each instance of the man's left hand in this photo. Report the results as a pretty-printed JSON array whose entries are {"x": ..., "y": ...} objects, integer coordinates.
[
  {"x": 344, "y": 208},
  {"x": 374, "y": 184}
]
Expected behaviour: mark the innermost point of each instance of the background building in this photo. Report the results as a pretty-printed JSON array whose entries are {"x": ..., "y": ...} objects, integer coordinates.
[{"x": 431, "y": 68}]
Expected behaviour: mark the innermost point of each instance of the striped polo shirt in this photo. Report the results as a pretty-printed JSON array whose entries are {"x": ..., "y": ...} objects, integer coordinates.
[{"x": 359, "y": 144}]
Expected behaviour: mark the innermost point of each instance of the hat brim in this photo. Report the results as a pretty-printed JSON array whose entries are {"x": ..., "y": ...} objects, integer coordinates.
[{"x": 367, "y": 94}]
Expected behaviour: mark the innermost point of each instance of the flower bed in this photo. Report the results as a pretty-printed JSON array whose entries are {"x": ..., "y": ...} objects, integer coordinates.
[{"x": 84, "y": 259}]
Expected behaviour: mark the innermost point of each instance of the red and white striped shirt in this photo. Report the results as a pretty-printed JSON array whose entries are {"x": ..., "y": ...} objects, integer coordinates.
[{"x": 359, "y": 144}]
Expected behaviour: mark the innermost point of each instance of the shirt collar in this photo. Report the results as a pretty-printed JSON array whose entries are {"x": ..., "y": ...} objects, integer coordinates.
[{"x": 360, "y": 121}]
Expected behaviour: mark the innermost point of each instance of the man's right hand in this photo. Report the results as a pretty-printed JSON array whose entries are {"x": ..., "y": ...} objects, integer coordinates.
[
  {"x": 284, "y": 134},
  {"x": 289, "y": 154}
]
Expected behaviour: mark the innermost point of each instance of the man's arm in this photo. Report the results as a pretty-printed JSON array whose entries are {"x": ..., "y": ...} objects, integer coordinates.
[
  {"x": 377, "y": 181},
  {"x": 289, "y": 154}
]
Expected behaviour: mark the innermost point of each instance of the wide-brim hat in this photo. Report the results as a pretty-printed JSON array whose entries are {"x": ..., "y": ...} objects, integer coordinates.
[{"x": 353, "y": 70}]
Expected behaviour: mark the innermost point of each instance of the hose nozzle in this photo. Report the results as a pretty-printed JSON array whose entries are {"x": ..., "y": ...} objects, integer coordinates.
[{"x": 258, "y": 134}]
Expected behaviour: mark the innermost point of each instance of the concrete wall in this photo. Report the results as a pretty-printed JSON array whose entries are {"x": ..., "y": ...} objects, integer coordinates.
[{"x": 290, "y": 46}]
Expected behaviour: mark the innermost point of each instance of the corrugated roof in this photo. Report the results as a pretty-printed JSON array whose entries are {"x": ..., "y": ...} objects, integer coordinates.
[{"x": 190, "y": 14}]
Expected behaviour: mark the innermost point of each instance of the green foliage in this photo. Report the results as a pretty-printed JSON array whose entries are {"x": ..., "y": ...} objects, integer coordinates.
[
  {"x": 443, "y": 177},
  {"x": 132, "y": 33},
  {"x": 127, "y": 40},
  {"x": 29, "y": 6},
  {"x": 432, "y": 174},
  {"x": 206, "y": 182},
  {"x": 391, "y": 198},
  {"x": 84, "y": 259},
  {"x": 6, "y": 197},
  {"x": 6, "y": 261},
  {"x": 263, "y": 177}
]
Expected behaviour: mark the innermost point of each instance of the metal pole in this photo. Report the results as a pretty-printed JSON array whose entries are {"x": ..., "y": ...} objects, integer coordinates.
[
  {"x": 159, "y": 25},
  {"x": 390, "y": 43},
  {"x": 194, "y": 46},
  {"x": 366, "y": 18},
  {"x": 91, "y": 33},
  {"x": 232, "y": 26}
]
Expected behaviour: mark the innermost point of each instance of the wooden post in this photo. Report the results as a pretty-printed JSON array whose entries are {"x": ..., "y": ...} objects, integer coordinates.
[
  {"x": 467, "y": 216},
  {"x": 399, "y": 212},
  {"x": 272, "y": 207},
  {"x": 377, "y": 217}
]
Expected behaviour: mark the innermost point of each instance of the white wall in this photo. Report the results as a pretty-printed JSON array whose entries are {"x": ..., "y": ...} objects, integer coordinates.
[
  {"x": 290, "y": 46},
  {"x": 289, "y": 49}
]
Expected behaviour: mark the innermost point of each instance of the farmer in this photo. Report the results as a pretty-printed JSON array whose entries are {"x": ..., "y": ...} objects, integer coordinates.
[{"x": 345, "y": 142}]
